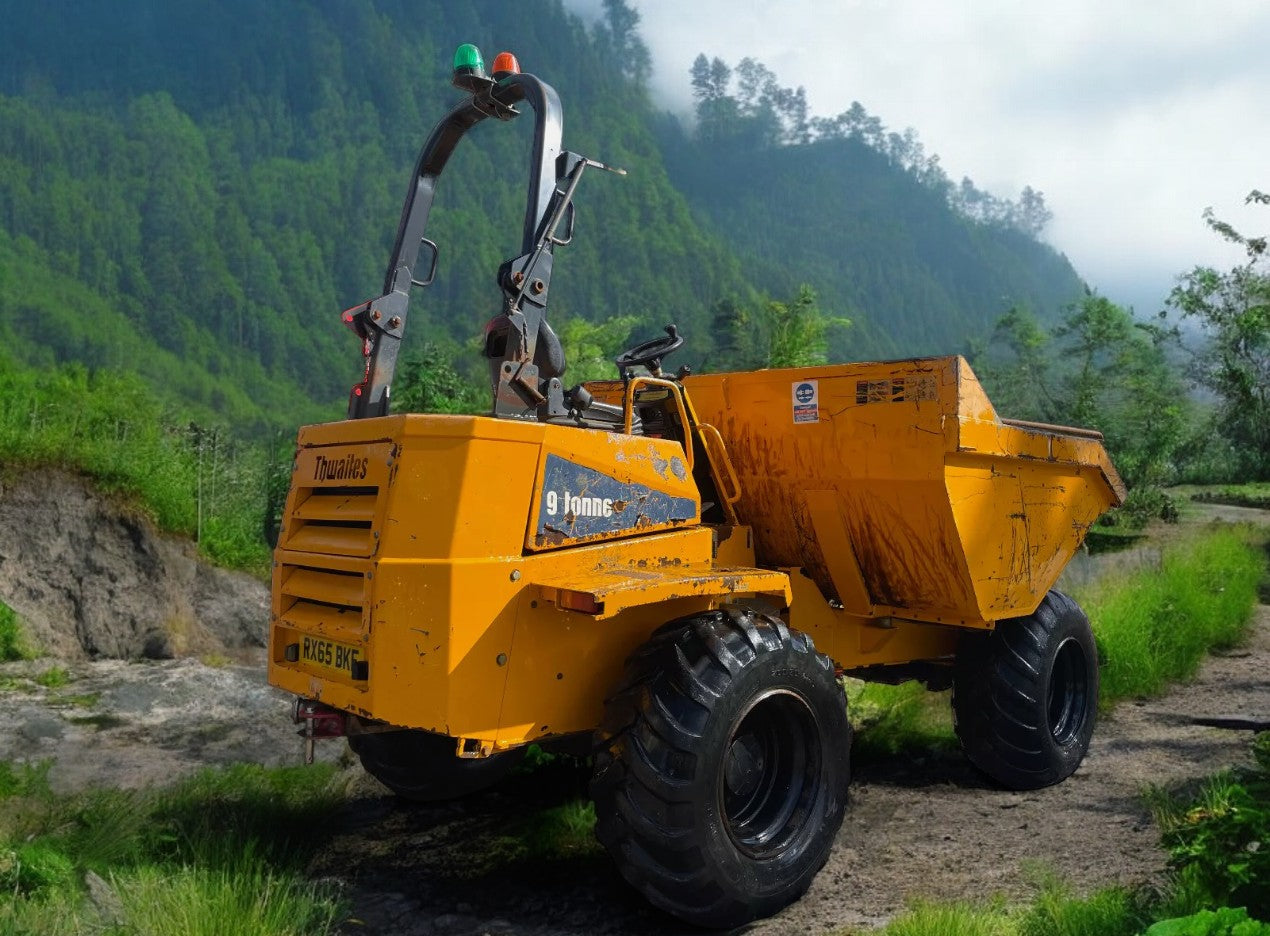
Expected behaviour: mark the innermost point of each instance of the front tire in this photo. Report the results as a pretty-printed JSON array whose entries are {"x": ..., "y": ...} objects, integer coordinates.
[
  {"x": 721, "y": 776},
  {"x": 1025, "y": 696},
  {"x": 422, "y": 767}
]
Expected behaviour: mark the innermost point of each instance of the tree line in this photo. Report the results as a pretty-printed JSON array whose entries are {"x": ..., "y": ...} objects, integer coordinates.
[{"x": 747, "y": 106}]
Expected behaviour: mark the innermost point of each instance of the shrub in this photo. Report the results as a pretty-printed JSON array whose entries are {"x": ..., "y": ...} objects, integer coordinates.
[
  {"x": 1219, "y": 843},
  {"x": 1228, "y": 921}
]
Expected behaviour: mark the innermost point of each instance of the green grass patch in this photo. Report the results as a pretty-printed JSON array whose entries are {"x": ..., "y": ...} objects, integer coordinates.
[
  {"x": 222, "y": 852},
  {"x": 905, "y": 718},
  {"x": 1227, "y": 921},
  {"x": 1111, "y": 912},
  {"x": 77, "y": 700},
  {"x": 15, "y": 644},
  {"x": 1219, "y": 840},
  {"x": 55, "y": 677},
  {"x": 1155, "y": 626},
  {"x": 957, "y": 919},
  {"x": 563, "y": 831}
]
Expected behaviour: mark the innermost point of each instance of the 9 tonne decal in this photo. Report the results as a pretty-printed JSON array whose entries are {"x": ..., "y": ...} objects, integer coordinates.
[{"x": 581, "y": 503}]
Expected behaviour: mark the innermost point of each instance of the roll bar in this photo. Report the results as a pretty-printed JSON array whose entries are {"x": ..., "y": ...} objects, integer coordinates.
[{"x": 519, "y": 342}]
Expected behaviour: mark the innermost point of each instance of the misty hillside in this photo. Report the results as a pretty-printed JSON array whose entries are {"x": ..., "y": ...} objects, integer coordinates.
[{"x": 194, "y": 190}]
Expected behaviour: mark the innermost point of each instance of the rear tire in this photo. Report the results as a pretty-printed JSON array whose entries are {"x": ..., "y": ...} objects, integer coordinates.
[
  {"x": 422, "y": 767},
  {"x": 1025, "y": 696},
  {"x": 721, "y": 776}
]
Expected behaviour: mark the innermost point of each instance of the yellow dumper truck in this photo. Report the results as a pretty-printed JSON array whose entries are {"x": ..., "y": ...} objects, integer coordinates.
[{"x": 677, "y": 569}]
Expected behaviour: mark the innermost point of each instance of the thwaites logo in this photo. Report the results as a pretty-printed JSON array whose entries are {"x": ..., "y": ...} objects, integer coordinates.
[{"x": 348, "y": 468}]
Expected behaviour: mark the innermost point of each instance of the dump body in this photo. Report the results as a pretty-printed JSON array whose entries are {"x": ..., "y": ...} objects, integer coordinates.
[{"x": 899, "y": 490}]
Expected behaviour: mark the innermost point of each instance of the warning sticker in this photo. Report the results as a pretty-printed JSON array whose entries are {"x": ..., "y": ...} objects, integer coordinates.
[{"x": 806, "y": 401}]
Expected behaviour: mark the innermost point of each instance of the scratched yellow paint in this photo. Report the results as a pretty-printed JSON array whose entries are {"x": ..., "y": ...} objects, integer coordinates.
[
  {"x": 418, "y": 551},
  {"x": 935, "y": 509},
  {"x": 882, "y": 510}
]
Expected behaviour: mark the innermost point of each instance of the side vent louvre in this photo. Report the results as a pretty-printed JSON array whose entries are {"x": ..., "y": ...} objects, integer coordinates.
[
  {"x": 329, "y": 601},
  {"x": 333, "y": 520}
]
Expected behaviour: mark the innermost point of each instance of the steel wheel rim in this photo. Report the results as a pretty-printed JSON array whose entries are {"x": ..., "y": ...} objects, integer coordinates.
[
  {"x": 771, "y": 773},
  {"x": 1068, "y": 697}
]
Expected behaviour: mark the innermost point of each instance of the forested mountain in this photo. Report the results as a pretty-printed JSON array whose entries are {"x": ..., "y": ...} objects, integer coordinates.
[{"x": 193, "y": 189}]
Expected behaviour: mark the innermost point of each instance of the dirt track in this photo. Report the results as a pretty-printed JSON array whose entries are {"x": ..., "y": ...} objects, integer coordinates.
[
  {"x": 914, "y": 829},
  {"x": 927, "y": 828}
]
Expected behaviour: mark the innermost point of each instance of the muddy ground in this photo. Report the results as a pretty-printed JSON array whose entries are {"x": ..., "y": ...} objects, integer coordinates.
[{"x": 926, "y": 827}]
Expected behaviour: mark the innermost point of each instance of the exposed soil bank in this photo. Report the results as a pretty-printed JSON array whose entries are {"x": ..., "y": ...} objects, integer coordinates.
[{"x": 92, "y": 578}]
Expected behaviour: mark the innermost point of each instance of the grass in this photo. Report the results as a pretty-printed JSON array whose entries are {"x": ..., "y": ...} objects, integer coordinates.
[
  {"x": 221, "y": 852},
  {"x": 1251, "y": 494},
  {"x": 198, "y": 481},
  {"x": 563, "y": 831},
  {"x": 55, "y": 677},
  {"x": 15, "y": 644},
  {"x": 955, "y": 919},
  {"x": 906, "y": 718},
  {"x": 1155, "y": 626},
  {"x": 77, "y": 700}
]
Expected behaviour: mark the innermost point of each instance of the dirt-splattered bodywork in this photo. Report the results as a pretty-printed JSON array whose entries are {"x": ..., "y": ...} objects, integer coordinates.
[
  {"x": 485, "y": 578},
  {"x": 901, "y": 492}
]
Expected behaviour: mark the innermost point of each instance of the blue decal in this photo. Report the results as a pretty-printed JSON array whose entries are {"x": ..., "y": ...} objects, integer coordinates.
[
  {"x": 805, "y": 393},
  {"x": 581, "y": 502}
]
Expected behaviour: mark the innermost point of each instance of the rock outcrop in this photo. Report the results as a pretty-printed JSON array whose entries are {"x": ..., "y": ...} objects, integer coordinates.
[{"x": 92, "y": 578}]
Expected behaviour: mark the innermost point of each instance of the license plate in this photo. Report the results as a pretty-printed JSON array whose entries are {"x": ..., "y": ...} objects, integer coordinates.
[{"x": 329, "y": 655}]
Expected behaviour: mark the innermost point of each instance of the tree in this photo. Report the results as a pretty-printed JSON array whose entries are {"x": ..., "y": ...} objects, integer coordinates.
[
  {"x": 591, "y": 347},
  {"x": 1099, "y": 369},
  {"x": 793, "y": 333},
  {"x": 622, "y": 24},
  {"x": 1233, "y": 311},
  {"x": 426, "y": 382}
]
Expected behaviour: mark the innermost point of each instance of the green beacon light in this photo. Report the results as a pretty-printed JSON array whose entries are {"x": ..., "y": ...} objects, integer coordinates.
[{"x": 469, "y": 68}]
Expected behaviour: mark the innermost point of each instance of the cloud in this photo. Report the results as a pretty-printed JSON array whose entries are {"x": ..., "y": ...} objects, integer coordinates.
[{"x": 1130, "y": 116}]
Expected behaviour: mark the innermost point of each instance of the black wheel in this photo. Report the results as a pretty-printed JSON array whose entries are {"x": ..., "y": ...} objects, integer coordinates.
[
  {"x": 1025, "y": 697},
  {"x": 721, "y": 775},
  {"x": 421, "y": 766}
]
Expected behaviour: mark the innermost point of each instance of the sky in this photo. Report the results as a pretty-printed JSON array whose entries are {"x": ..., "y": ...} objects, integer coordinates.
[{"x": 1130, "y": 116}]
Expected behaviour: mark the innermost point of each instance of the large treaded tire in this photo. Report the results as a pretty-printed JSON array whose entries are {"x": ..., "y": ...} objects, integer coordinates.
[
  {"x": 422, "y": 767},
  {"x": 721, "y": 774},
  {"x": 1025, "y": 697}
]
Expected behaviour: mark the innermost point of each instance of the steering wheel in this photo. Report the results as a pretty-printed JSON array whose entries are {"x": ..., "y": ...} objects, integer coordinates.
[{"x": 649, "y": 353}]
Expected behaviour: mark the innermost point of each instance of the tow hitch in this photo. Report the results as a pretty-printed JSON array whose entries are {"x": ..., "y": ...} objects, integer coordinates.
[{"x": 320, "y": 721}]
